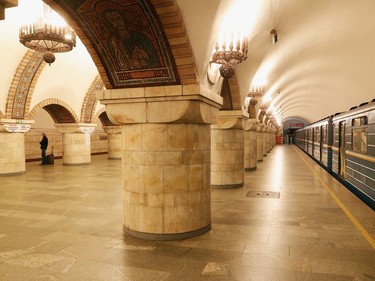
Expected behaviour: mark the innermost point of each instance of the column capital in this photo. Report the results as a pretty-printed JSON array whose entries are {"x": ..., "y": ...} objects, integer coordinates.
[
  {"x": 251, "y": 125},
  {"x": 262, "y": 128},
  {"x": 15, "y": 125},
  {"x": 71, "y": 128},
  {"x": 112, "y": 129},
  {"x": 166, "y": 104},
  {"x": 231, "y": 119}
]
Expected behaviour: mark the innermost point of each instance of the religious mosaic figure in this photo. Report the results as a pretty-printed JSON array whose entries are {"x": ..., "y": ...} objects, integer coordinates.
[{"x": 130, "y": 49}]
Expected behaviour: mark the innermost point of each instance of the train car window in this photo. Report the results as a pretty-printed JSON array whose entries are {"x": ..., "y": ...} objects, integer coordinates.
[
  {"x": 359, "y": 134},
  {"x": 360, "y": 121}
]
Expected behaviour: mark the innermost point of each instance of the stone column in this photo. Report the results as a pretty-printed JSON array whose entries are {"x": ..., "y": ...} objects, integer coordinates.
[
  {"x": 264, "y": 135},
  {"x": 260, "y": 143},
  {"x": 165, "y": 158},
  {"x": 227, "y": 149},
  {"x": 251, "y": 144},
  {"x": 114, "y": 141},
  {"x": 76, "y": 142},
  {"x": 12, "y": 146}
]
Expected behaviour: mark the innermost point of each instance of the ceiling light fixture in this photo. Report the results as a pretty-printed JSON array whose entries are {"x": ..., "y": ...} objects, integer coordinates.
[
  {"x": 232, "y": 51},
  {"x": 48, "y": 36}
]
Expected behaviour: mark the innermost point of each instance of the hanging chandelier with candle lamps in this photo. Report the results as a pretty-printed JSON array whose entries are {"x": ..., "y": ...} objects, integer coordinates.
[
  {"x": 232, "y": 51},
  {"x": 48, "y": 35}
]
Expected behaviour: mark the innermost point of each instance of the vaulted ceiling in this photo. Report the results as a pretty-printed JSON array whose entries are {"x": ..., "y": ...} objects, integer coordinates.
[{"x": 322, "y": 63}]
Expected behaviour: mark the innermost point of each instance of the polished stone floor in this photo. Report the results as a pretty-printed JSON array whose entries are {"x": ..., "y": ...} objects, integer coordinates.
[{"x": 65, "y": 223}]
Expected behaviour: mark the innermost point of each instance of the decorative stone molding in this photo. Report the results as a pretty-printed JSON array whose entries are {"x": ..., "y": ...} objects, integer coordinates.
[
  {"x": 231, "y": 119},
  {"x": 167, "y": 104},
  {"x": 15, "y": 125},
  {"x": 251, "y": 125},
  {"x": 71, "y": 128}
]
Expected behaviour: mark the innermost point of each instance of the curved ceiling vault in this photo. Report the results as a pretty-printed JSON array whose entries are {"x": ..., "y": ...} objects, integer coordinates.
[{"x": 323, "y": 62}]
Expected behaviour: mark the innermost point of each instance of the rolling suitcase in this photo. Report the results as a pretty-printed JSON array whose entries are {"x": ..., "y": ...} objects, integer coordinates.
[{"x": 51, "y": 158}]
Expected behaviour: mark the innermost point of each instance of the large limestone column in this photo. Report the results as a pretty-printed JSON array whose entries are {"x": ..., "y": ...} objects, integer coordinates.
[
  {"x": 265, "y": 138},
  {"x": 260, "y": 143},
  {"x": 165, "y": 158},
  {"x": 76, "y": 142},
  {"x": 251, "y": 143},
  {"x": 268, "y": 133},
  {"x": 114, "y": 141},
  {"x": 227, "y": 149},
  {"x": 12, "y": 146}
]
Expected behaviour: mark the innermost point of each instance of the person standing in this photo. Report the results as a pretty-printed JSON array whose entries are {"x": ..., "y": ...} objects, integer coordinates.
[{"x": 43, "y": 146}]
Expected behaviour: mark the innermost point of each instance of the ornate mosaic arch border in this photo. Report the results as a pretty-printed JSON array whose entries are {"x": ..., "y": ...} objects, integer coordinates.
[
  {"x": 90, "y": 101},
  {"x": 23, "y": 84}
]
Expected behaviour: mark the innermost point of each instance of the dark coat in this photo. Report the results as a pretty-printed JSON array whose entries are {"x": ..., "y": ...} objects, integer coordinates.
[{"x": 44, "y": 143}]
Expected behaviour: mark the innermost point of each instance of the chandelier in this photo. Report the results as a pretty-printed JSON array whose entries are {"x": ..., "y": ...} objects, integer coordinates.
[
  {"x": 232, "y": 51},
  {"x": 48, "y": 36}
]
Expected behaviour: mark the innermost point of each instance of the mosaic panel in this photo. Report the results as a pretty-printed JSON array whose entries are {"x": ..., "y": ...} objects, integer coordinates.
[{"x": 128, "y": 38}]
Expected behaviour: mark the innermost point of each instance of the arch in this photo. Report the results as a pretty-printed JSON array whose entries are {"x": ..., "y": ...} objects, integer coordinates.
[
  {"x": 103, "y": 117},
  {"x": 230, "y": 91},
  {"x": 23, "y": 84},
  {"x": 96, "y": 116},
  {"x": 158, "y": 22},
  {"x": 235, "y": 92},
  {"x": 59, "y": 111},
  {"x": 90, "y": 101}
]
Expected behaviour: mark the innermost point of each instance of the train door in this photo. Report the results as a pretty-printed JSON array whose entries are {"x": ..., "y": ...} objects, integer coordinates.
[
  {"x": 321, "y": 143},
  {"x": 342, "y": 158}
]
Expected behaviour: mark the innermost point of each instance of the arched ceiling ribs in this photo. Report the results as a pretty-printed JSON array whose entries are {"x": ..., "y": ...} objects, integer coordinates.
[
  {"x": 162, "y": 55},
  {"x": 59, "y": 111},
  {"x": 23, "y": 84},
  {"x": 90, "y": 101}
]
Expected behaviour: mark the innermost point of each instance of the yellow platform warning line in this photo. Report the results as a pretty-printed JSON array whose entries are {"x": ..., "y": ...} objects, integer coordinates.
[{"x": 353, "y": 219}]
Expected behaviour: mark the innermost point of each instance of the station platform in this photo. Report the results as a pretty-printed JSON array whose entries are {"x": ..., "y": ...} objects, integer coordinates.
[{"x": 291, "y": 221}]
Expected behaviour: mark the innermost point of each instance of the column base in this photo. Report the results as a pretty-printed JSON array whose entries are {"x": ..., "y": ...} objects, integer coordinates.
[
  {"x": 76, "y": 164},
  {"x": 227, "y": 186},
  {"x": 13, "y": 174},
  {"x": 164, "y": 237},
  {"x": 250, "y": 169}
]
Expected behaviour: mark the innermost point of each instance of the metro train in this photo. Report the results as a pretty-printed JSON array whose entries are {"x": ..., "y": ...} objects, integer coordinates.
[{"x": 344, "y": 144}]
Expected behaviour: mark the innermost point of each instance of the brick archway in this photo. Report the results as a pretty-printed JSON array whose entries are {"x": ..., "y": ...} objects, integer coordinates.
[
  {"x": 59, "y": 111},
  {"x": 90, "y": 102}
]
